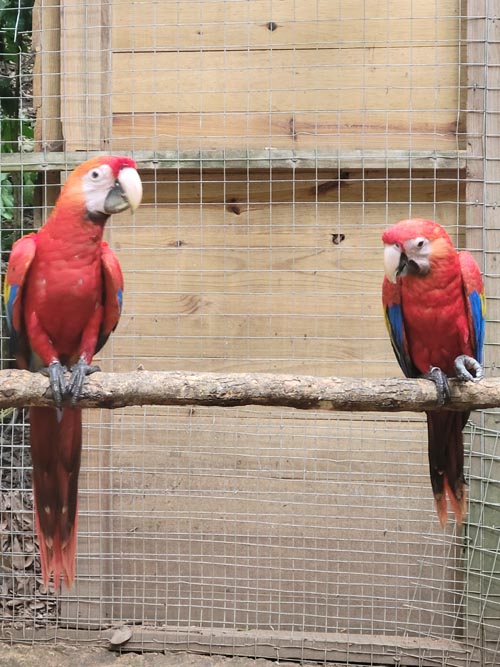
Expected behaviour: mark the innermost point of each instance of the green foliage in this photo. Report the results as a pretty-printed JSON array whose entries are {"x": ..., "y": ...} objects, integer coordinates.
[
  {"x": 29, "y": 180},
  {"x": 15, "y": 24},
  {"x": 6, "y": 198},
  {"x": 10, "y": 200},
  {"x": 15, "y": 36},
  {"x": 16, "y": 130}
]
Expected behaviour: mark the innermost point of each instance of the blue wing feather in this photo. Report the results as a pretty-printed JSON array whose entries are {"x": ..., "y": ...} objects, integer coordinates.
[
  {"x": 119, "y": 296},
  {"x": 476, "y": 302},
  {"x": 11, "y": 293},
  {"x": 395, "y": 325}
]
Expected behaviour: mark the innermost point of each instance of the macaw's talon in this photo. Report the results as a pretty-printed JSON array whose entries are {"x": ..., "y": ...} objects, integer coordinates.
[
  {"x": 440, "y": 379},
  {"x": 78, "y": 374},
  {"x": 55, "y": 372},
  {"x": 468, "y": 369}
]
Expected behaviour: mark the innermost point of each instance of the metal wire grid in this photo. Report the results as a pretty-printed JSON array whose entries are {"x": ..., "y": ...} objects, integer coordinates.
[
  {"x": 226, "y": 65},
  {"x": 252, "y": 533},
  {"x": 482, "y": 546},
  {"x": 252, "y": 518}
]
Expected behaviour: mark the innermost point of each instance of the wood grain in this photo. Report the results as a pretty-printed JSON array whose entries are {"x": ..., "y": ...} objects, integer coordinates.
[
  {"x": 373, "y": 129},
  {"x": 265, "y": 270},
  {"x": 239, "y": 82},
  {"x": 85, "y": 74},
  {"x": 46, "y": 74},
  {"x": 289, "y": 24}
]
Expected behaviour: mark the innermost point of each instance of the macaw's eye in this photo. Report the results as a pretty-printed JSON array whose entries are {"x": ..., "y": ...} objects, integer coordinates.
[
  {"x": 94, "y": 174},
  {"x": 420, "y": 244}
]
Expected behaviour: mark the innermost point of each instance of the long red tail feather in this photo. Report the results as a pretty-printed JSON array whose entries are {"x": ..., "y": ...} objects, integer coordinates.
[
  {"x": 56, "y": 444},
  {"x": 446, "y": 463}
]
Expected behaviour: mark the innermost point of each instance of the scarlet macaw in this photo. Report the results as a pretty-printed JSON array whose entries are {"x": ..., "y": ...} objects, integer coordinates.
[
  {"x": 63, "y": 295},
  {"x": 434, "y": 304}
]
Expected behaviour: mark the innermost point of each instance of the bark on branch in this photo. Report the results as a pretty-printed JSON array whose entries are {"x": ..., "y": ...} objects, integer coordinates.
[{"x": 304, "y": 392}]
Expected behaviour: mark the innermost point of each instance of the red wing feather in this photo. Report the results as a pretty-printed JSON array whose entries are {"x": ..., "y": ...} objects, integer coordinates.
[
  {"x": 21, "y": 257},
  {"x": 112, "y": 293}
]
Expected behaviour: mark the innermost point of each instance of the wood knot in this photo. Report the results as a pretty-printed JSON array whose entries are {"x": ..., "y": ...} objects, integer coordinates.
[{"x": 233, "y": 207}]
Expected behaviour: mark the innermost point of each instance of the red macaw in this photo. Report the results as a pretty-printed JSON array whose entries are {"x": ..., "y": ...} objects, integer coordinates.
[
  {"x": 63, "y": 295},
  {"x": 434, "y": 304}
]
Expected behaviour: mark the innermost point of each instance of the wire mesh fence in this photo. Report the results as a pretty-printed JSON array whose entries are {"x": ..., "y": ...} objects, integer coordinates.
[{"x": 276, "y": 140}]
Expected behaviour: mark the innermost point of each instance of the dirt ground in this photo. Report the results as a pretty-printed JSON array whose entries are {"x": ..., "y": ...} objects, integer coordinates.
[{"x": 66, "y": 655}]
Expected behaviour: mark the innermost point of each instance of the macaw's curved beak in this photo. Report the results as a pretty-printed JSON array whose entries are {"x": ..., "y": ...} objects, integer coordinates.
[
  {"x": 126, "y": 192},
  {"x": 403, "y": 266},
  {"x": 392, "y": 259},
  {"x": 409, "y": 267}
]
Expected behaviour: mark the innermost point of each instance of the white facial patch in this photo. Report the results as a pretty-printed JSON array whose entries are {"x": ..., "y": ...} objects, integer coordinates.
[{"x": 96, "y": 185}]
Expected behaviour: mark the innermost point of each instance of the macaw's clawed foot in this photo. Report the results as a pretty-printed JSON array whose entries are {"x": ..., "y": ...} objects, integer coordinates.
[
  {"x": 78, "y": 374},
  {"x": 55, "y": 372},
  {"x": 468, "y": 369},
  {"x": 441, "y": 381}
]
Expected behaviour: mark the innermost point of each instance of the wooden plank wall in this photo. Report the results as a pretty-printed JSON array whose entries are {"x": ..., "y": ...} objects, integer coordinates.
[
  {"x": 252, "y": 518},
  {"x": 288, "y": 74},
  {"x": 259, "y": 271},
  {"x": 292, "y": 72}
]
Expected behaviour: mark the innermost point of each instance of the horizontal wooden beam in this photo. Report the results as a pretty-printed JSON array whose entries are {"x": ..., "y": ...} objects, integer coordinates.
[
  {"x": 303, "y": 392},
  {"x": 247, "y": 159},
  {"x": 277, "y": 645}
]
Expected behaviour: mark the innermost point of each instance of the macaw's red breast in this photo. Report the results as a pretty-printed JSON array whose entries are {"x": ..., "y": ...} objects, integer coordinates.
[
  {"x": 64, "y": 286},
  {"x": 435, "y": 316}
]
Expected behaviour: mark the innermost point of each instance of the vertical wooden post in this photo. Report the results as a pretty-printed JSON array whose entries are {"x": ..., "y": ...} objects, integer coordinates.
[
  {"x": 85, "y": 74},
  {"x": 47, "y": 74},
  {"x": 47, "y": 98},
  {"x": 482, "y": 603}
]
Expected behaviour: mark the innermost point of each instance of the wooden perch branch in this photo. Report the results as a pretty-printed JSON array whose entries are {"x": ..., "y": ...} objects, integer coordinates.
[{"x": 304, "y": 392}]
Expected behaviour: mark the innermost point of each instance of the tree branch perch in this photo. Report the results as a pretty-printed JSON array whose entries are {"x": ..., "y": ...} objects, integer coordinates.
[{"x": 303, "y": 392}]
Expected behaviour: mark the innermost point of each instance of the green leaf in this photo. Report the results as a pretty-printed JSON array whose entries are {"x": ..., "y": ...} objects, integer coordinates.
[
  {"x": 29, "y": 181},
  {"x": 6, "y": 198}
]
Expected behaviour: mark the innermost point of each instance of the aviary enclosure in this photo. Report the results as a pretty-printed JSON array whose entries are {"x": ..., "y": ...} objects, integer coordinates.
[{"x": 276, "y": 140}]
